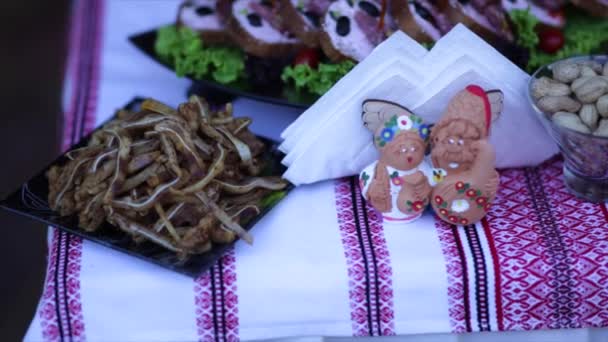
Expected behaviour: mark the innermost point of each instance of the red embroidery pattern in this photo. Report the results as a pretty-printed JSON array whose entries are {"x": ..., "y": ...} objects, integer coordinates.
[
  {"x": 524, "y": 272},
  {"x": 585, "y": 231},
  {"x": 47, "y": 307},
  {"x": 217, "y": 302},
  {"x": 550, "y": 289},
  {"x": 61, "y": 307},
  {"x": 72, "y": 275},
  {"x": 481, "y": 277},
  {"x": 230, "y": 298},
  {"x": 368, "y": 262},
  {"x": 458, "y": 304}
]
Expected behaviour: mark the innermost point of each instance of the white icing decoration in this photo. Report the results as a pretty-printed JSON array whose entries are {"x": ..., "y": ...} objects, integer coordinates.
[
  {"x": 265, "y": 32},
  {"x": 540, "y": 13},
  {"x": 460, "y": 205},
  {"x": 354, "y": 45},
  {"x": 190, "y": 18}
]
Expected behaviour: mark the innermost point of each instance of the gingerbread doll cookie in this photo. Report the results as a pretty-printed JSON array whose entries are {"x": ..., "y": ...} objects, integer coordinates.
[
  {"x": 398, "y": 183},
  {"x": 460, "y": 148}
]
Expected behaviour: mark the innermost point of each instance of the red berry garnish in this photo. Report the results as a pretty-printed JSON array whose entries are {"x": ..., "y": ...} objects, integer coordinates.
[
  {"x": 307, "y": 56},
  {"x": 550, "y": 40}
]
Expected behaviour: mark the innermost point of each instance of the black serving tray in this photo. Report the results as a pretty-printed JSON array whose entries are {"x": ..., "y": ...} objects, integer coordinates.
[
  {"x": 276, "y": 93},
  {"x": 30, "y": 200}
]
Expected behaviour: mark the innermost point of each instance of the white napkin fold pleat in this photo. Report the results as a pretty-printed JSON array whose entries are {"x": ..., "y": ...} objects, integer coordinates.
[
  {"x": 394, "y": 84},
  {"x": 398, "y": 47},
  {"x": 329, "y": 140}
]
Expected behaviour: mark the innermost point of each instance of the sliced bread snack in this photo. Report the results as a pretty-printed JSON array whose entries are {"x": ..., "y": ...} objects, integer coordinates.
[
  {"x": 352, "y": 28},
  {"x": 422, "y": 20},
  {"x": 594, "y": 7},
  {"x": 201, "y": 16},
  {"x": 258, "y": 28},
  {"x": 303, "y": 18},
  {"x": 486, "y": 18},
  {"x": 545, "y": 15}
]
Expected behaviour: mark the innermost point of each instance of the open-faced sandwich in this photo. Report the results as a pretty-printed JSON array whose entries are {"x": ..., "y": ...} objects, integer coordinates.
[
  {"x": 352, "y": 28},
  {"x": 486, "y": 17},
  {"x": 547, "y": 12},
  {"x": 303, "y": 18},
  {"x": 594, "y": 7},
  {"x": 422, "y": 20},
  {"x": 202, "y": 17},
  {"x": 258, "y": 28}
]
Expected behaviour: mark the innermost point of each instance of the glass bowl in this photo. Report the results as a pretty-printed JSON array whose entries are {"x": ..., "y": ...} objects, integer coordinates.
[{"x": 585, "y": 155}]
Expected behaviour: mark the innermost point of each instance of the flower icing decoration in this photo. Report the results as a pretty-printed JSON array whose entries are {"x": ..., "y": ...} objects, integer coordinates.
[
  {"x": 363, "y": 180},
  {"x": 395, "y": 179},
  {"x": 402, "y": 123},
  {"x": 471, "y": 197},
  {"x": 439, "y": 176},
  {"x": 424, "y": 130},
  {"x": 387, "y": 135},
  {"x": 460, "y": 205},
  {"x": 416, "y": 206},
  {"x": 439, "y": 200}
]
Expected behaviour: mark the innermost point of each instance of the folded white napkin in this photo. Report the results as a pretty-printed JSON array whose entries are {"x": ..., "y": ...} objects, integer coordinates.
[
  {"x": 398, "y": 47},
  {"x": 390, "y": 83},
  {"x": 329, "y": 140}
]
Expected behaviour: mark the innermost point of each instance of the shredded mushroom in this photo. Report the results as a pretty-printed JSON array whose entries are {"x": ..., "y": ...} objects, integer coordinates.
[{"x": 183, "y": 179}]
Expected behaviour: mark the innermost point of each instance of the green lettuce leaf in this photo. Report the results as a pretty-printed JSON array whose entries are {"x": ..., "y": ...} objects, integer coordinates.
[
  {"x": 583, "y": 35},
  {"x": 316, "y": 81},
  {"x": 525, "y": 23},
  {"x": 184, "y": 49}
]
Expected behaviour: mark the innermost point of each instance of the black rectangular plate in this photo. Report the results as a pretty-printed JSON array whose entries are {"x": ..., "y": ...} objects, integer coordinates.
[
  {"x": 278, "y": 93},
  {"x": 30, "y": 200}
]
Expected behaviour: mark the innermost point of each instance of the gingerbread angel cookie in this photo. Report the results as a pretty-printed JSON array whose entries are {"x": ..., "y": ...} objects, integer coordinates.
[
  {"x": 460, "y": 148},
  {"x": 398, "y": 183}
]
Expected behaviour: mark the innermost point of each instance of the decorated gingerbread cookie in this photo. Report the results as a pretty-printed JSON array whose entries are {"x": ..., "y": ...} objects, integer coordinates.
[
  {"x": 461, "y": 151},
  {"x": 398, "y": 184}
]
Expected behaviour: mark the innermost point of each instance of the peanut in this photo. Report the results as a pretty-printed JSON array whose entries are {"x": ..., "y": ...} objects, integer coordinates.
[
  {"x": 566, "y": 72},
  {"x": 591, "y": 89},
  {"x": 587, "y": 71},
  {"x": 578, "y": 82},
  {"x": 589, "y": 115},
  {"x": 570, "y": 120},
  {"x": 552, "y": 104},
  {"x": 602, "y": 105},
  {"x": 593, "y": 65},
  {"x": 545, "y": 86},
  {"x": 602, "y": 129}
]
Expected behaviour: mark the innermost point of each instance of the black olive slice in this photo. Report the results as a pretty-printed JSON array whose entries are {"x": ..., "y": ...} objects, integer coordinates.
[
  {"x": 254, "y": 19},
  {"x": 203, "y": 10},
  {"x": 343, "y": 26},
  {"x": 369, "y": 8}
]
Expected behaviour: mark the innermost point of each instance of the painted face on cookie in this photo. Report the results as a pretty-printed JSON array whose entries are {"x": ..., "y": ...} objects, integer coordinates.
[
  {"x": 452, "y": 146},
  {"x": 404, "y": 152}
]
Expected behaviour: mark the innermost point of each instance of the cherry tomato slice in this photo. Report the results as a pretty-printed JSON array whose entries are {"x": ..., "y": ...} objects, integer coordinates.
[
  {"x": 307, "y": 56},
  {"x": 550, "y": 40}
]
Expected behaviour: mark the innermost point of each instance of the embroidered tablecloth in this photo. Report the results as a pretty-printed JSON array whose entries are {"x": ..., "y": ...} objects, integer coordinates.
[{"x": 323, "y": 263}]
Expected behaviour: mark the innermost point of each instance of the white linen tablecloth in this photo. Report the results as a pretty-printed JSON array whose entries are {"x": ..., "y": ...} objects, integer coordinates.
[{"x": 323, "y": 264}]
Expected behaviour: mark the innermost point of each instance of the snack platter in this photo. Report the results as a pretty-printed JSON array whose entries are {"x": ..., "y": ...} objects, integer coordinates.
[
  {"x": 270, "y": 93},
  {"x": 291, "y": 52},
  {"x": 31, "y": 200}
]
